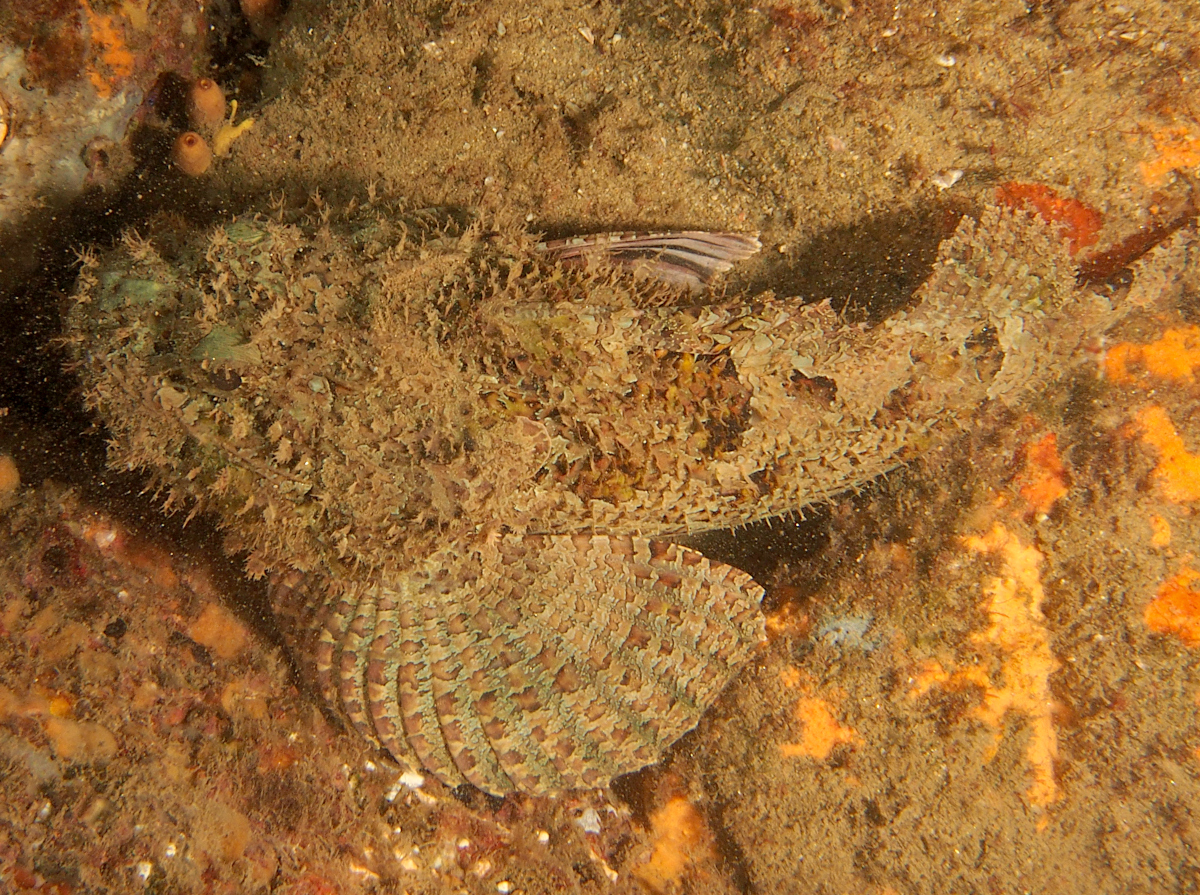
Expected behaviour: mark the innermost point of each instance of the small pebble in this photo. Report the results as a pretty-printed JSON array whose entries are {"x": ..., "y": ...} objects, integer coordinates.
[
  {"x": 589, "y": 821},
  {"x": 946, "y": 179}
]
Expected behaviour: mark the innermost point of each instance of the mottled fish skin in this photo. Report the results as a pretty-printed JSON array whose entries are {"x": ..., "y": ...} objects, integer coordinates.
[{"x": 469, "y": 455}]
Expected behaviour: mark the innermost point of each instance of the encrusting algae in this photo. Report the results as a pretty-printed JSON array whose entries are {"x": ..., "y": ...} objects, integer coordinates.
[
  {"x": 482, "y": 452},
  {"x": 1018, "y": 633},
  {"x": 1174, "y": 356},
  {"x": 1045, "y": 476},
  {"x": 1176, "y": 148},
  {"x": 1166, "y": 367},
  {"x": 820, "y": 731},
  {"x": 680, "y": 841},
  {"x": 1175, "y": 609},
  {"x": 1178, "y": 471},
  {"x": 1017, "y": 679}
]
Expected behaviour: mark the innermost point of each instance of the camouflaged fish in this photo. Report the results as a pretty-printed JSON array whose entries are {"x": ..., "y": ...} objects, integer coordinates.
[{"x": 481, "y": 452}]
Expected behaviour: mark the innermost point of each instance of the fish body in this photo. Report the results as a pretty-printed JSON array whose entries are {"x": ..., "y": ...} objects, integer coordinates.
[{"x": 483, "y": 452}]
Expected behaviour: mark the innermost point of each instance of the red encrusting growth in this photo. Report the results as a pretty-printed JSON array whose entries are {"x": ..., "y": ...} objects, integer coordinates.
[{"x": 1081, "y": 223}]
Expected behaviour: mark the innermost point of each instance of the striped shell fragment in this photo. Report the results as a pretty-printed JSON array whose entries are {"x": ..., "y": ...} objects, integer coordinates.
[{"x": 468, "y": 459}]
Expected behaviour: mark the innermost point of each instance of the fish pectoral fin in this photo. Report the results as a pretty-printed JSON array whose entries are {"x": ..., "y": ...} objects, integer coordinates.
[{"x": 542, "y": 663}]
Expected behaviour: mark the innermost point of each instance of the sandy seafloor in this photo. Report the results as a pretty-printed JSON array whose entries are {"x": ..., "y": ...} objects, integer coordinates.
[{"x": 982, "y": 673}]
